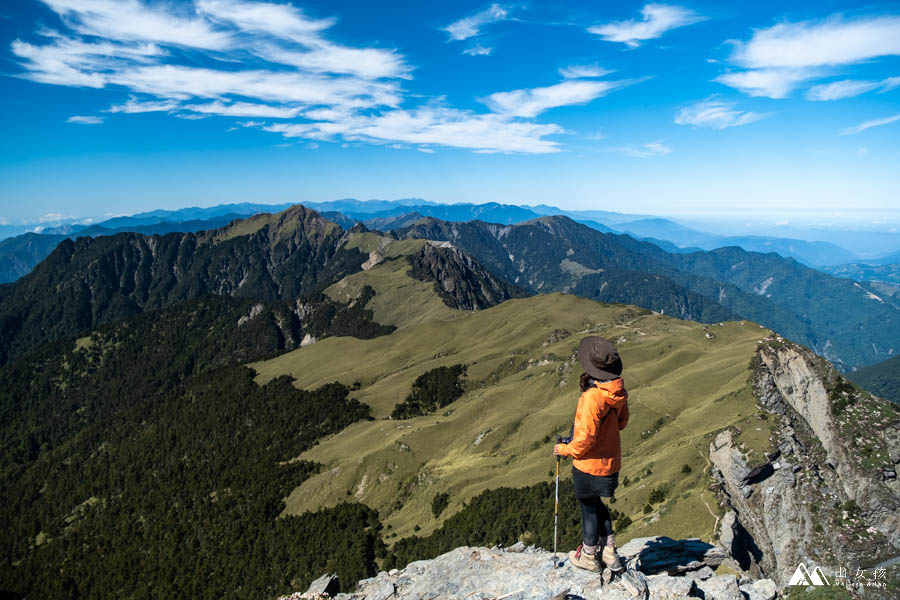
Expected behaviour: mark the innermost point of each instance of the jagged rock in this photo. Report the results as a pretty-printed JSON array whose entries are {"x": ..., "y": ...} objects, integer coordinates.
[
  {"x": 459, "y": 279},
  {"x": 633, "y": 583},
  {"x": 721, "y": 587},
  {"x": 797, "y": 517},
  {"x": 666, "y": 587},
  {"x": 702, "y": 573},
  {"x": 326, "y": 584},
  {"x": 517, "y": 547},
  {"x": 530, "y": 573},
  {"x": 380, "y": 587},
  {"x": 758, "y": 474},
  {"x": 727, "y": 532},
  {"x": 762, "y": 589}
]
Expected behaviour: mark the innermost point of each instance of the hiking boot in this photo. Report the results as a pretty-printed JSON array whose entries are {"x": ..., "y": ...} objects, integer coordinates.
[
  {"x": 582, "y": 560},
  {"x": 611, "y": 559}
]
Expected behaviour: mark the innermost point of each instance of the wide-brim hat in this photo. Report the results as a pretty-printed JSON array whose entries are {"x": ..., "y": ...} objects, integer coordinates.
[{"x": 599, "y": 358}]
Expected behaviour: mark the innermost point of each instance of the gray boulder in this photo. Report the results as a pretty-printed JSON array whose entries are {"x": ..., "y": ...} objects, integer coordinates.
[
  {"x": 721, "y": 587},
  {"x": 326, "y": 584},
  {"x": 763, "y": 589}
]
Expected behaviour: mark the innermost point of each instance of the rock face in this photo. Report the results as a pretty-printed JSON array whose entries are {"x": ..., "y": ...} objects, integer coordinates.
[
  {"x": 821, "y": 495},
  {"x": 458, "y": 278},
  {"x": 520, "y": 573}
]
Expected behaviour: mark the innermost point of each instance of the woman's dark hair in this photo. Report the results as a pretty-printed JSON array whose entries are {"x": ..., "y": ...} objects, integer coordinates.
[{"x": 586, "y": 382}]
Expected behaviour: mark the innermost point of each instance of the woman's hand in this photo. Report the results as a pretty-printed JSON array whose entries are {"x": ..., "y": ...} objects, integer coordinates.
[{"x": 557, "y": 448}]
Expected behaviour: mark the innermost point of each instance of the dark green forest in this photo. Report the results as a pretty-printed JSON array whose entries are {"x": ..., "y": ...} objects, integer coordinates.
[
  {"x": 144, "y": 461},
  {"x": 882, "y": 379},
  {"x": 431, "y": 390}
]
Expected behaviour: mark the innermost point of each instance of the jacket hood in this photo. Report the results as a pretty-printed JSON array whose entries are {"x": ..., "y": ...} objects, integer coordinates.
[{"x": 614, "y": 392}]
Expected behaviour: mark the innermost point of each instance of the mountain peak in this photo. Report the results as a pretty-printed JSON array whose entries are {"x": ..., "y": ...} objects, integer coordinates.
[{"x": 288, "y": 223}]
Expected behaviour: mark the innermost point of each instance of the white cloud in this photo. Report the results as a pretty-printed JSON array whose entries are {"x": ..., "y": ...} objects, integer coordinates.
[
  {"x": 532, "y": 102},
  {"x": 862, "y": 151},
  {"x": 244, "y": 109},
  {"x": 583, "y": 71},
  {"x": 271, "y": 61},
  {"x": 432, "y": 126},
  {"x": 178, "y": 81},
  {"x": 838, "y": 90},
  {"x": 471, "y": 26},
  {"x": 133, "y": 105},
  {"x": 657, "y": 19},
  {"x": 645, "y": 151},
  {"x": 425, "y": 150},
  {"x": 85, "y": 120},
  {"x": 778, "y": 58},
  {"x": 478, "y": 50},
  {"x": 889, "y": 84},
  {"x": 869, "y": 124},
  {"x": 56, "y": 217},
  {"x": 834, "y": 41},
  {"x": 131, "y": 21},
  {"x": 282, "y": 20},
  {"x": 771, "y": 83},
  {"x": 715, "y": 114}
]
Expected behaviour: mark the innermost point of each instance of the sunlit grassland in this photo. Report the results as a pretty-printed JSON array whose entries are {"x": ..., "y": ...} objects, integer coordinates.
[{"x": 686, "y": 382}]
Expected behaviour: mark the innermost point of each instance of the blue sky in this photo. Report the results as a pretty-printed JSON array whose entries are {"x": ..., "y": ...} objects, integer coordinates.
[{"x": 786, "y": 110}]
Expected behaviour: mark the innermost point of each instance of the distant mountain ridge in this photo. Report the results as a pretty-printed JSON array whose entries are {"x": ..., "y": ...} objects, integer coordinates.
[
  {"x": 842, "y": 320},
  {"x": 295, "y": 253}
]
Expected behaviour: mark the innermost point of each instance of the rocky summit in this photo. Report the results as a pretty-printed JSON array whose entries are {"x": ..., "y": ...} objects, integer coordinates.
[{"x": 658, "y": 568}]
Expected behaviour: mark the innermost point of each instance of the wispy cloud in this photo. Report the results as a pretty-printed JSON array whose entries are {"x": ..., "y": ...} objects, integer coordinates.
[
  {"x": 583, "y": 71},
  {"x": 889, "y": 84},
  {"x": 478, "y": 50},
  {"x": 532, "y": 102},
  {"x": 134, "y": 21},
  {"x": 267, "y": 61},
  {"x": 838, "y": 90},
  {"x": 133, "y": 106},
  {"x": 85, "y": 120},
  {"x": 645, "y": 151},
  {"x": 770, "y": 83},
  {"x": 656, "y": 20},
  {"x": 431, "y": 126},
  {"x": 835, "y": 41},
  {"x": 778, "y": 58},
  {"x": 869, "y": 124},
  {"x": 471, "y": 26},
  {"x": 715, "y": 114}
]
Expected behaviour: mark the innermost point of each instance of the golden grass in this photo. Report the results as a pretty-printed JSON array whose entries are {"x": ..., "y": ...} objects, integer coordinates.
[{"x": 521, "y": 388}]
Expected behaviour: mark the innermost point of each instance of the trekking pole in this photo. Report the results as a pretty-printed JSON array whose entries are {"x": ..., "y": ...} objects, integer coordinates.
[{"x": 556, "y": 508}]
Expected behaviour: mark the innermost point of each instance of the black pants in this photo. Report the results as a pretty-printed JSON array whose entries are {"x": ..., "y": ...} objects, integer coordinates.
[{"x": 596, "y": 522}]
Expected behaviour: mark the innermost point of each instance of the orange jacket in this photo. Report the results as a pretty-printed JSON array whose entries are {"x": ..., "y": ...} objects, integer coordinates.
[{"x": 602, "y": 411}]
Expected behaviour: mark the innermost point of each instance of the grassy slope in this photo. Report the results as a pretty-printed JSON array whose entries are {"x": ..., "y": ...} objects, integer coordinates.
[{"x": 522, "y": 387}]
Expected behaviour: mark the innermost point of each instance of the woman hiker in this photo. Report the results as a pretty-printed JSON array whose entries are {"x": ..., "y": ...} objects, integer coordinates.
[{"x": 596, "y": 450}]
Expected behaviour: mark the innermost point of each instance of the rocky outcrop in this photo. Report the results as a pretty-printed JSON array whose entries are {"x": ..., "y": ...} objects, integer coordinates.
[
  {"x": 458, "y": 278},
  {"x": 658, "y": 568},
  {"x": 827, "y": 492}
]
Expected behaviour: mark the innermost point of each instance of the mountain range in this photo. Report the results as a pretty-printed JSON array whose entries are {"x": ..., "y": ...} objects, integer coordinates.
[
  {"x": 19, "y": 254},
  {"x": 210, "y": 414}
]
